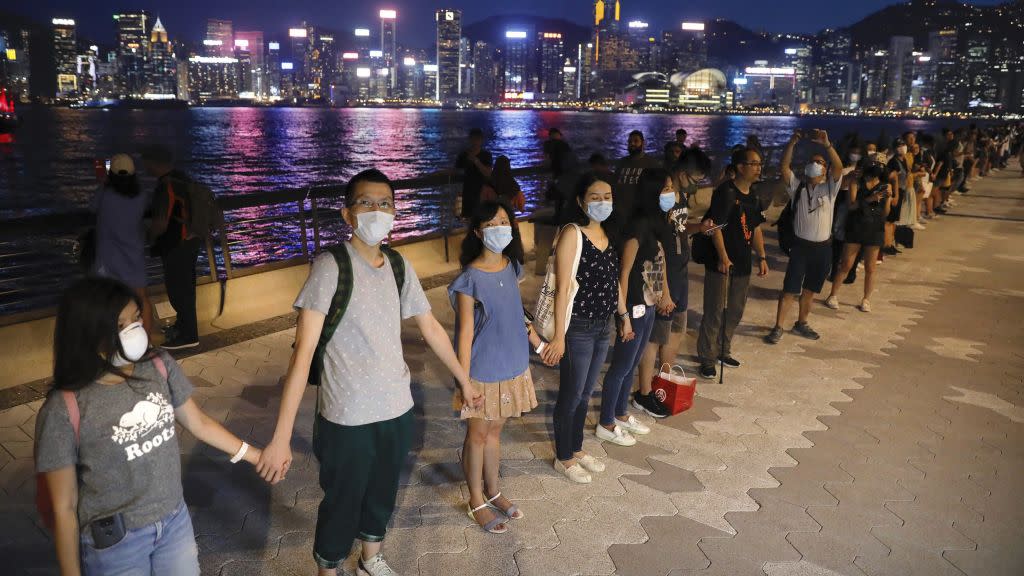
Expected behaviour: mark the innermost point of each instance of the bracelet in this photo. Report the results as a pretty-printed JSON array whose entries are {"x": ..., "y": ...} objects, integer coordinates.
[
  {"x": 241, "y": 453},
  {"x": 540, "y": 347}
]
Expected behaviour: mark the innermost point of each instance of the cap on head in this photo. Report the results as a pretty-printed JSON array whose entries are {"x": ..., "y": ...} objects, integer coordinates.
[{"x": 122, "y": 165}]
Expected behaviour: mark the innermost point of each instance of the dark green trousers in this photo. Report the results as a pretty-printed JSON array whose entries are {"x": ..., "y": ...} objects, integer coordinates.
[{"x": 359, "y": 471}]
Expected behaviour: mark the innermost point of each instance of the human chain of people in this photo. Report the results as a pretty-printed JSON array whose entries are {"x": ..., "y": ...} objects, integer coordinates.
[{"x": 615, "y": 292}]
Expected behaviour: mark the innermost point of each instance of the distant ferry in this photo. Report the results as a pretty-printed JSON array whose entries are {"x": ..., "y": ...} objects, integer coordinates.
[
  {"x": 8, "y": 117},
  {"x": 133, "y": 104}
]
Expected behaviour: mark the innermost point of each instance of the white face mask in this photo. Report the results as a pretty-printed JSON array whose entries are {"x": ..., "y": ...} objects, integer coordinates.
[
  {"x": 814, "y": 170},
  {"x": 134, "y": 341},
  {"x": 497, "y": 238},
  {"x": 599, "y": 211},
  {"x": 373, "y": 227},
  {"x": 854, "y": 158},
  {"x": 901, "y": 150}
]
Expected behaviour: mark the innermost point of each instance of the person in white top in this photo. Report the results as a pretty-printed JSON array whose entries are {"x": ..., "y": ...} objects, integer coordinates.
[{"x": 810, "y": 259}]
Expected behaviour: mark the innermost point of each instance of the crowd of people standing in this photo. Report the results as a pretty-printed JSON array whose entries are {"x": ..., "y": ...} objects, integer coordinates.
[{"x": 620, "y": 262}]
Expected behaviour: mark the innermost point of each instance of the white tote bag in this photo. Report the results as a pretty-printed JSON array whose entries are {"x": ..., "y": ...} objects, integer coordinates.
[{"x": 544, "y": 319}]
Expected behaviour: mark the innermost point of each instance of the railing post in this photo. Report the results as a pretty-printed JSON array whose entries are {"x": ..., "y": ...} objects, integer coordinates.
[
  {"x": 225, "y": 251},
  {"x": 302, "y": 222},
  {"x": 211, "y": 258},
  {"x": 316, "y": 224}
]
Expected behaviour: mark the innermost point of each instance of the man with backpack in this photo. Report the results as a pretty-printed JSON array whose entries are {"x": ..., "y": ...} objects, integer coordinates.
[
  {"x": 184, "y": 214},
  {"x": 807, "y": 224},
  {"x": 349, "y": 343}
]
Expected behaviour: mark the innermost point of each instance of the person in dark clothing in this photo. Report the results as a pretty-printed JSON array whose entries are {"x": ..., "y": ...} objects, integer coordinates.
[
  {"x": 475, "y": 163},
  {"x": 627, "y": 175},
  {"x": 174, "y": 243},
  {"x": 599, "y": 165}
]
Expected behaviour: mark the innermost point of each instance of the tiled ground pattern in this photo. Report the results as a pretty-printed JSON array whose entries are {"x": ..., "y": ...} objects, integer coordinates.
[{"x": 892, "y": 446}]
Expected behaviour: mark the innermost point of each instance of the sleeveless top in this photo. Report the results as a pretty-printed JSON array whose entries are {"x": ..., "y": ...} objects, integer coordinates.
[{"x": 598, "y": 277}]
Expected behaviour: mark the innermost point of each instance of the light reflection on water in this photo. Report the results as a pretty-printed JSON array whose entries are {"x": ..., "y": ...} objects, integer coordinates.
[{"x": 48, "y": 165}]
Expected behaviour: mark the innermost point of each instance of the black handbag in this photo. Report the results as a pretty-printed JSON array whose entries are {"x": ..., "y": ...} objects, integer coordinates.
[{"x": 905, "y": 236}]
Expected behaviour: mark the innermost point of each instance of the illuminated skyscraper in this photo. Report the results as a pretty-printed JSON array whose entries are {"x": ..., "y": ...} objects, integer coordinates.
[
  {"x": 161, "y": 70},
  {"x": 552, "y": 63},
  {"x": 835, "y": 70},
  {"x": 389, "y": 46},
  {"x": 948, "y": 77},
  {"x": 273, "y": 69},
  {"x": 485, "y": 72},
  {"x": 15, "y": 71},
  {"x": 65, "y": 53},
  {"x": 466, "y": 72},
  {"x": 221, "y": 37},
  {"x": 132, "y": 49},
  {"x": 519, "y": 70},
  {"x": 899, "y": 73},
  {"x": 684, "y": 49},
  {"x": 300, "y": 38},
  {"x": 449, "y": 32},
  {"x": 252, "y": 41}
]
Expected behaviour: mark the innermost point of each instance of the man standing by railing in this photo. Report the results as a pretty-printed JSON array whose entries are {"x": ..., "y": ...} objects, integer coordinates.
[
  {"x": 171, "y": 239},
  {"x": 475, "y": 163}
]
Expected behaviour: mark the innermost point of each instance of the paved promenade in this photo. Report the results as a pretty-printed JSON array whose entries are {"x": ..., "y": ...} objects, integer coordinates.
[{"x": 893, "y": 446}]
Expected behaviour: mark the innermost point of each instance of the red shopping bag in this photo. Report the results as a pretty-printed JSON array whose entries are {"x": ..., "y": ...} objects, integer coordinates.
[{"x": 673, "y": 389}]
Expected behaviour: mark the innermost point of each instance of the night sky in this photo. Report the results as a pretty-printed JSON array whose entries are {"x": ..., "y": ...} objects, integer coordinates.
[{"x": 186, "y": 18}]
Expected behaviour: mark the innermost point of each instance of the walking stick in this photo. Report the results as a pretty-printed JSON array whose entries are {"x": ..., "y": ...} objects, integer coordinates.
[{"x": 721, "y": 332}]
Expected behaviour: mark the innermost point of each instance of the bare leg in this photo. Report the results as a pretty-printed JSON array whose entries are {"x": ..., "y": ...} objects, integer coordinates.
[
  {"x": 869, "y": 270},
  {"x": 849, "y": 255},
  {"x": 785, "y": 301},
  {"x": 473, "y": 456},
  {"x": 492, "y": 456},
  {"x": 806, "y": 298}
]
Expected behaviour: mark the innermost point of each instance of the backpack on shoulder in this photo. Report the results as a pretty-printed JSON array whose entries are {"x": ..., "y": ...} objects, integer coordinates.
[
  {"x": 787, "y": 230},
  {"x": 203, "y": 215},
  {"x": 342, "y": 296}
]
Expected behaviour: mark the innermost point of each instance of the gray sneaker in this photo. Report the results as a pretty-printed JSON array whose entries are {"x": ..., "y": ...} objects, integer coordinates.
[
  {"x": 774, "y": 336},
  {"x": 804, "y": 329}
]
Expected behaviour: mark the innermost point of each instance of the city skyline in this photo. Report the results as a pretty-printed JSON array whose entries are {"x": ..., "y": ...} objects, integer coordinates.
[{"x": 189, "y": 17}]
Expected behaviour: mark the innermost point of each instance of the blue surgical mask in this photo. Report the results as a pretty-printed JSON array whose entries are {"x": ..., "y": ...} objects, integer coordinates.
[
  {"x": 497, "y": 238},
  {"x": 599, "y": 211},
  {"x": 667, "y": 200}
]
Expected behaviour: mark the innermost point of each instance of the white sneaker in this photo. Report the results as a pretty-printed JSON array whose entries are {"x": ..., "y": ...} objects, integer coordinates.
[
  {"x": 832, "y": 302},
  {"x": 576, "y": 473},
  {"x": 918, "y": 226},
  {"x": 590, "y": 463},
  {"x": 633, "y": 426},
  {"x": 865, "y": 306},
  {"x": 375, "y": 566},
  {"x": 616, "y": 436}
]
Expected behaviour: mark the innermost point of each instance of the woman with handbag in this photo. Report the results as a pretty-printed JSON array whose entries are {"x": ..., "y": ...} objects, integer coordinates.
[
  {"x": 504, "y": 187},
  {"x": 493, "y": 344},
  {"x": 117, "y": 497},
  {"x": 643, "y": 280},
  {"x": 587, "y": 293}
]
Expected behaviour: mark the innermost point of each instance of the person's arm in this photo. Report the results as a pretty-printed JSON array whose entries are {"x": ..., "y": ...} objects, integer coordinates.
[
  {"x": 666, "y": 305},
  {"x": 438, "y": 341},
  {"x": 483, "y": 168},
  {"x": 629, "y": 252},
  {"x": 276, "y": 457},
  {"x": 464, "y": 337},
  {"x": 63, "y": 485},
  {"x": 565, "y": 254},
  {"x": 211, "y": 432},
  {"x": 851, "y": 201},
  {"x": 761, "y": 254},
  {"x": 787, "y": 158},
  {"x": 834, "y": 161}
]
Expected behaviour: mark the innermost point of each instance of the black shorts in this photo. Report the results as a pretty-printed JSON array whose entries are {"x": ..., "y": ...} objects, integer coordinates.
[{"x": 809, "y": 265}]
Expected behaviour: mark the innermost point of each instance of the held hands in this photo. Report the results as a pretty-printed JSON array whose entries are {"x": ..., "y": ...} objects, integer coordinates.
[
  {"x": 665, "y": 305},
  {"x": 552, "y": 353},
  {"x": 274, "y": 461},
  {"x": 626, "y": 329},
  {"x": 471, "y": 395}
]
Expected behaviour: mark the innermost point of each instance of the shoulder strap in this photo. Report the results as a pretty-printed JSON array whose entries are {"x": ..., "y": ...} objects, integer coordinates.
[
  {"x": 397, "y": 266},
  {"x": 796, "y": 195},
  {"x": 339, "y": 303},
  {"x": 73, "y": 414}
]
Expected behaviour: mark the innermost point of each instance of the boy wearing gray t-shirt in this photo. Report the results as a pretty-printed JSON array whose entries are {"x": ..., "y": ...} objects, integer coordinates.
[{"x": 364, "y": 424}]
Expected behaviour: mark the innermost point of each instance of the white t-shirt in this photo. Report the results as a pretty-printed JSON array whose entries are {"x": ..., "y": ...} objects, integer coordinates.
[{"x": 812, "y": 215}]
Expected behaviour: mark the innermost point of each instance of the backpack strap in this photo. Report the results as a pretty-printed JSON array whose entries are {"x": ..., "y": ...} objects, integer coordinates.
[
  {"x": 339, "y": 304},
  {"x": 796, "y": 195},
  {"x": 74, "y": 416},
  {"x": 397, "y": 267}
]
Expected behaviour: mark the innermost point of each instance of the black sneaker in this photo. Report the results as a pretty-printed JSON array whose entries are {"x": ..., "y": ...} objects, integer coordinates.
[
  {"x": 804, "y": 329},
  {"x": 179, "y": 343},
  {"x": 940, "y": 210},
  {"x": 649, "y": 404},
  {"x": 708, "y": 372},
  {"x": 774, "y": 336},
  {"x": 729, "y": 361}
]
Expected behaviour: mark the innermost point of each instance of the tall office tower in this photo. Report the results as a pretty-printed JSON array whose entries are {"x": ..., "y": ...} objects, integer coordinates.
[
  {"x": 252, "y": 41},
  {"x": 485, "y": 72},
  {"x": 606, "y": 21},
  {"x": 552, "y": 64},
  {"x": 221, "y": 37},
  {"x": 979, "y": 57},
  {"x": 273, "y": 69},
  {"x": 900, "y": 70},
  {"x": 389, "y": 46},
  {"x": 300, "y": 38},
  {"x": 585, "y": 74},
  {"x": 645, "y": 45},
  {"x": 467, "y": 73},
  {"x": 834, "y": 70},
  {"x": 949, "y": 80},
  {"x": 449, "y": 33},
  {"x": 65, "y": 56},
  {"x": 244, "y": 71},
  {"x": 684, "y": 49},
  {"x": 182, "y": 78},
  {"x": 132, "y": 49},
  {"x": 161, "y": 70},
  {"x": 799, "y": 58},
  {"x": 14, "y": 63},
  {"x": 570, "y": 80},
  {"x": 86, "y": 70},
  {"x": 519, "y": 63},
  {"x": 874, "y": 67},
  {"x": 212, "y": 78}
]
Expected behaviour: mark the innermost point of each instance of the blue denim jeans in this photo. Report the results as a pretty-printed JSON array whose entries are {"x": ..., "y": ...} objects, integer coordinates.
[
  {"x": 165, "y": 548},
  {"x": 586, "y": 346},
  {"x": 618, "y": 381}
]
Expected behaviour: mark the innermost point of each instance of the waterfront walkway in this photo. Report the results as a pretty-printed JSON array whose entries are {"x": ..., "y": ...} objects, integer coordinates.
[{"x": 894, "y": 445}]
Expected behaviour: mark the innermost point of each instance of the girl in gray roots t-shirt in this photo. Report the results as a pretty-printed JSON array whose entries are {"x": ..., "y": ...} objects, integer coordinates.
[{"x": 123, "y": 465}]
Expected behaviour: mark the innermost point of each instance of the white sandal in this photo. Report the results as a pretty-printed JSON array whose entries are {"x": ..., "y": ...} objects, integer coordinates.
[
  {"x": 491, "y": 526},
  {"x": 512, "y": 512}
]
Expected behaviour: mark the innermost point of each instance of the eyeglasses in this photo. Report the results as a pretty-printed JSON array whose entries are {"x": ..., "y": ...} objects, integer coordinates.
[{"x": 371, "y": 205}]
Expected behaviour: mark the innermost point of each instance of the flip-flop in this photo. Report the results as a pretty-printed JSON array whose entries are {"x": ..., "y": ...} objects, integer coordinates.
[
  {"x": 489, "y": 526},
  {"x": 513, "y": 512}
]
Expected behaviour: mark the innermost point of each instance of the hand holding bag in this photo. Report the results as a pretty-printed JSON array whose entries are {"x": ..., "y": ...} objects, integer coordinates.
[
  {"x": 673, "y": 389},
  {"x": 544, "y": 318}
]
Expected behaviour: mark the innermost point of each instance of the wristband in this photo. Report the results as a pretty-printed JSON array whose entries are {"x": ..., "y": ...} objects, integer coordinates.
[
  {"x": 240, "y": 454},
  {"x": 541, "y": 347}
]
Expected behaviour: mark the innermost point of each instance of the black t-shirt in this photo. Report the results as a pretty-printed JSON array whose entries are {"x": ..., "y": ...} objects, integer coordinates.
[
  {"x": 647, "y": 274},
  {"x": 474, "y": 179},
  {"x": 677, "y": 244},
  {"x": 627, "y": 184},
  {"x": 742, "y": 215}
]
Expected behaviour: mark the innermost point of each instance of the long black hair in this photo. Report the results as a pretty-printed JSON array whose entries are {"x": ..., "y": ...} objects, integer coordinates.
[
  {"x": 86, "y": 334},
  {"x": 473, "y": 245},
  {"x": 648, "y": 222},
  {"x": 126, "y": 185},
  {"x": 574, "y": 213}
]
